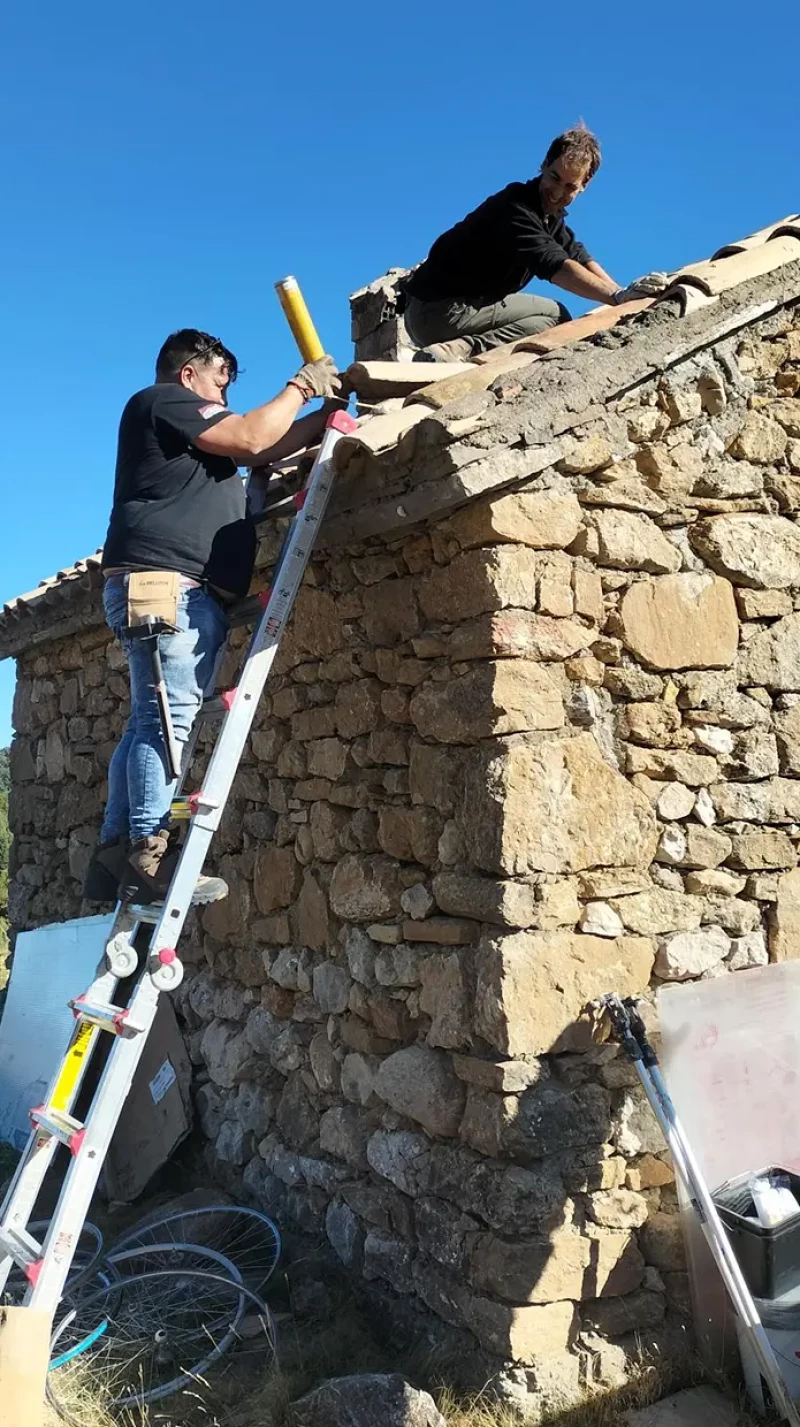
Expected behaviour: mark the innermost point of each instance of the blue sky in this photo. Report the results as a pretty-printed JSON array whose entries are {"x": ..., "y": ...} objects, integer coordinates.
[{"x": 165, "y": 164}]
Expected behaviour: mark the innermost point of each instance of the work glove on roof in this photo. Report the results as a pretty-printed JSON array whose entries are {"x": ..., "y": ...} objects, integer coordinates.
[{"x": 647, "y": 286}]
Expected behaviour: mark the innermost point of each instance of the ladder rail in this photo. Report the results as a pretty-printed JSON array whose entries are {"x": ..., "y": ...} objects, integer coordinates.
[
  {"x": 62, "y": 1094},
  {"x": 238, "y": 719},
  {"x": 80, "y": 1181},
  {"x": 162, "y": 970},
  {"x": 31, "y": 1171}
]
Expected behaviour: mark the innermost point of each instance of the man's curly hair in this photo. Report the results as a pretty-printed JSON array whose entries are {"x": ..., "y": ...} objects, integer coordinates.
[{"x": 579, "y": 145}]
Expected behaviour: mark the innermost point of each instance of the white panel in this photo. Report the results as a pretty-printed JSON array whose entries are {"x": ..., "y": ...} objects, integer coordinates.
[
  {"x": 51, "y": 966},
  {"x": 731, "y": 1060}
]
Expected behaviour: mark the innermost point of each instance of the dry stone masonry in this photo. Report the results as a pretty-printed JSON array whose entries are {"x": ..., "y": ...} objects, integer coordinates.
[{"x": 530, "y": 749}]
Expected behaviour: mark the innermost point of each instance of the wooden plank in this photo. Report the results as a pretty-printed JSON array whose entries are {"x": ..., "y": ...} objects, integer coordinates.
[
  {"x": 373, "y": 381},
  {"x": 600, "y": 319},
  {"x": 24, "y": 1355},
  {"x": 477, "y": 378}
]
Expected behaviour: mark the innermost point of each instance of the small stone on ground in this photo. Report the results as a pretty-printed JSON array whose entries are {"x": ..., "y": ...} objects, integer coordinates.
[{"x": 366, "y": 1400}]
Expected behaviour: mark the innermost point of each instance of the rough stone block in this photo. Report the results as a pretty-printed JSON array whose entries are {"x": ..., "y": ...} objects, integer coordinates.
[
  {"x": 364, "y": 888},
  {"x": 658, "y": 911},
  {"x": 545, "y": 1271},
  {"x": 445, "y": 998},
  {"x": 499, "y": 697},
  {"x": 420, "y": 1083},
  {"x": 478, "y": 581},
  {"x": 784, "y": 919},
  {"x": 532, "y": 987},
  {"x": 552, "y": 807},
  {"x": 685, "y": 621},
  {"x": 391, "y": 613},
  {"x": 510, "y": 904},
  {"x": 432, "y": 776},
  {"x": 772, "y": 657},
  {"x": 760, "y": 848},
  {"x": 316, "y": 627},
  {"x": 695, "y": 1407},
  {"x": 787, "y": 734},
  {"x": 310, "y": 916},
  {"x": 763, "y": 604},
  {"x": 410, "y": 834},
  {"x": 515, "y": 634},
  {"x": 692, "y": 953},
  {"x": 331, "y": 986},
  {"x": 633, "y": 542},
  {"x": 543, "y": 520},
  {"x": 615, "y": 1317},
  {"x": 694, "y": 769},
  {"x": 762, "y": 551},
  {"x": 357, "y": 707},
  {"x": 366, "y": 1399},
  {"x": 714, "y": 882},
  {"x": 760, "y": 440},
  {"x": 522, "y": 1333},
  {"x": 589, "y": 455}
]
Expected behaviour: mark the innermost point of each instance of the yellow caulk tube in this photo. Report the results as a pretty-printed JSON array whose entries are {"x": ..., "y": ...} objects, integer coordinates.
[{"x": 299, "y": 318}]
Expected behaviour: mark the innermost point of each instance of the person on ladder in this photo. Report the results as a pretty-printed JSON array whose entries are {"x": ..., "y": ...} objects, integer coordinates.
[{"x": 180, "y": 546}]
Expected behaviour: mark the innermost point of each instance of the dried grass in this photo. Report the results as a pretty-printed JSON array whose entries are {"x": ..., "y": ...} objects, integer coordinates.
[{"x": 311, "y": 1353}]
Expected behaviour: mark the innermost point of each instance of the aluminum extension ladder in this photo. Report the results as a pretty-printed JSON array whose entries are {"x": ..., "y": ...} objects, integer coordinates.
[{"x": 46, "y": 1265}]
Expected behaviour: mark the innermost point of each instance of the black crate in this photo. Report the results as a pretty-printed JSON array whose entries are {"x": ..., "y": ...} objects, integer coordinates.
[{"x": 768, "y": 1258}]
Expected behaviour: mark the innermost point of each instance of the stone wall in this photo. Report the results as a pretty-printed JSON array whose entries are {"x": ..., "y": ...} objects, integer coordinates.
[{"x": 546, "y": 747}]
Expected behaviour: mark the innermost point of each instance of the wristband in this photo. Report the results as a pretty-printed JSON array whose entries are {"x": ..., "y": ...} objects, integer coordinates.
[{"x": 306, "y": 392}]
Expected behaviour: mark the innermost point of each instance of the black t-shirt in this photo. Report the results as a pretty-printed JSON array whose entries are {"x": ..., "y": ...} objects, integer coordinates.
[
  {"x": 497, "y": 249},
  {"x": 176, "y": 507}
]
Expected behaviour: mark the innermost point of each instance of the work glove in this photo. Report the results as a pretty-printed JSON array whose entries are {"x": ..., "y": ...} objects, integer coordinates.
[
  {"x": 320, "y": 378},
  {"x": 647, "y": 286}
]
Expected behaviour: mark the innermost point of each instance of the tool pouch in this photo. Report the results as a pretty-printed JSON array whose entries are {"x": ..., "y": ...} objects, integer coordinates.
[{"x": 153, "y": 597}]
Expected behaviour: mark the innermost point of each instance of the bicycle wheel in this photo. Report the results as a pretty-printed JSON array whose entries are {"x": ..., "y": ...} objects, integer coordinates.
[
  {"x": 158, "y": 1336},
  {"x": 249, "y": 1238},
  {"x": 179, "y": 1260}
]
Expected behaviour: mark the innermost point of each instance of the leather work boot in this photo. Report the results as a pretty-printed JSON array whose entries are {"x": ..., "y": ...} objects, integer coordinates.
[
  {"x": 101, "y": 883},
  {"x": 150, "y": 868},
  {"x": 458, "y": 350}
]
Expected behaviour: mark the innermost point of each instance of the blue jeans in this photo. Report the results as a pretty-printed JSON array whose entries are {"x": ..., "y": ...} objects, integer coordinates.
[{"x": 140, "y": 789}]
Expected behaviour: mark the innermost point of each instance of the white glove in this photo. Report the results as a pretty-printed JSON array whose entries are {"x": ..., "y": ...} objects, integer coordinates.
[{"x": 646, "y": 286}]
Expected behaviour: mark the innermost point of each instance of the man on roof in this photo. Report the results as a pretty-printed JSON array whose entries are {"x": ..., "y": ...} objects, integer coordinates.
[
  {"x": 467, "y": 297},
  {"x": 181, "y": 537}
]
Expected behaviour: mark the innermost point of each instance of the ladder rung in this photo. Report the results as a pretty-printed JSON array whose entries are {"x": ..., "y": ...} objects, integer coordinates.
[
  {"x": 245, "y": 611},
  {"x": 190, "y": 806},
  {"x": 147, "y": 912},
  {"x": 60, "y": 1125},
  {"x": 109, "y": 1018},
  {"x": 157, "y": 969},
  {"x": 217, "y": 706},
  {"x": 20, "y": 1246},
  {"x": 285, "y": 504}
]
